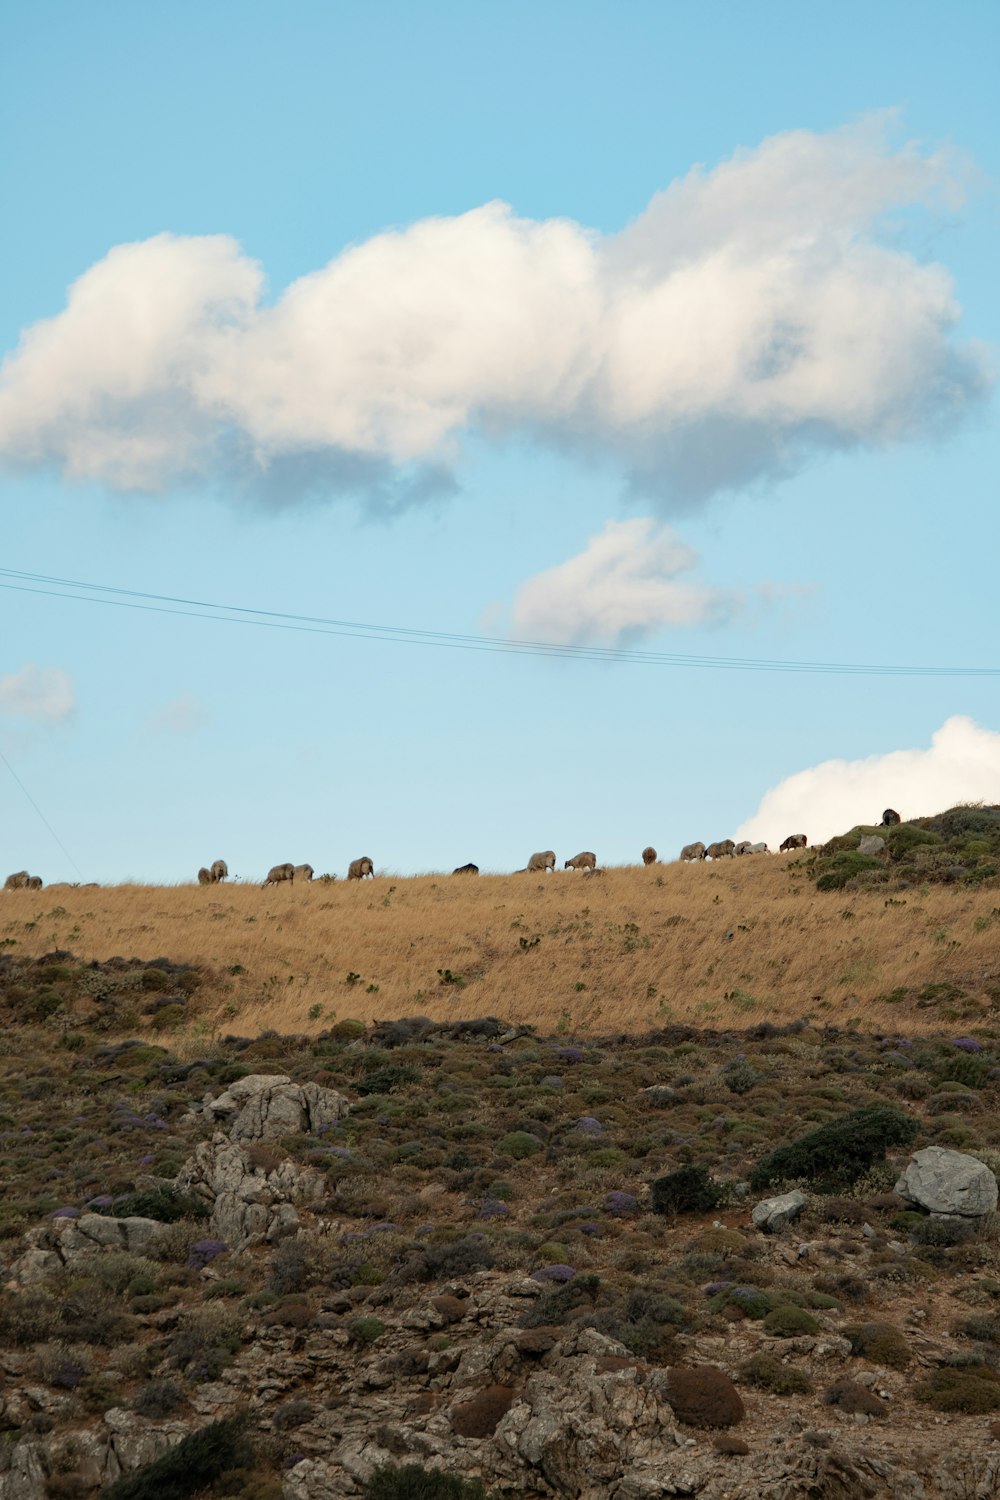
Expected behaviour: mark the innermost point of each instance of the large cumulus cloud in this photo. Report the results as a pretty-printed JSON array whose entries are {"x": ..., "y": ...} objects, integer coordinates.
[
  {"x": 962, "y": 764},
  {"x": 750, "y": 315}
]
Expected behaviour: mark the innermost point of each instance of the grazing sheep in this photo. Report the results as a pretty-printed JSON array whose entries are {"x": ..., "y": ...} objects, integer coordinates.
[
  {"x": 34, "y": 882},
  {"x": 693, "y": 851},
  {"x": 544, "y": 861},
  {"x": 277, "y": 873},
  {"x": 359, "y": 868},
  {"x": 584, "y": 861},
  {"x": 304, "y": 872},
  {"x": 794, "y": 841},
  {"x": 890, "y": 817},
  {"x": 722, "y": 849},
  {"x": 204, "y": 876},
  {"x": 469, "y": 869},
  {"x": 757, "y": 849},
  {"x": 744, "y": 846},
  {"x": 17, "y": 882},
  {"x": 219, "y": 871},
  {"x": 649, "y": 855}
]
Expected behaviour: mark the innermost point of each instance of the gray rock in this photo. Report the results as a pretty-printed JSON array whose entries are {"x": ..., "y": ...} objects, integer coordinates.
[
  {"x": 871, "y": 844},
  {"x": 265, "y": 1106},
  {"x": 774, "y": 1214},
  {"x": 25, "y": 1473},
  {"x": 134, "y": 1441},
  {"x": 948, "y": 1182},
  {"x": 249, "y": 1205}
]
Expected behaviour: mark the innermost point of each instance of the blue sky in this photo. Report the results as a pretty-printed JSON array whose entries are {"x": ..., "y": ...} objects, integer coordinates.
[{"x": 570, "y": 374}]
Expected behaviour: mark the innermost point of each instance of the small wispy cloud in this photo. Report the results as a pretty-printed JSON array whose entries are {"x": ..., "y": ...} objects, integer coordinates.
[
  {"x": 183, "y": 715},
  {"x": 961, "y": 764},
  {"x": 628, "y": 582},
  {"x": 44, "y": 695}
]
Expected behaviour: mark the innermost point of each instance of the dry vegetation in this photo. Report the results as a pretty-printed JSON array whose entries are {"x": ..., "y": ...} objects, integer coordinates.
[{"x": 631, "y": 950}]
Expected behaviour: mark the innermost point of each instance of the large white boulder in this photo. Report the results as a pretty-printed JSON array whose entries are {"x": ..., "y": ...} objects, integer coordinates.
[{"x": 948, "y": 1182}]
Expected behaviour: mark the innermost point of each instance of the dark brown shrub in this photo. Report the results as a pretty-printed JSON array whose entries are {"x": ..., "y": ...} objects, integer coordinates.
[
  {"x": 704, "y": 1396},
  {"x": 292, "y": 1315},
  {"x": 851, "y": 1396},
  {"x": 726, "y": 1442},
  {"x": 479, "y": 1417},
  {"x": 451, "y": 1309},
  {"x": 539, "y": 1340}
]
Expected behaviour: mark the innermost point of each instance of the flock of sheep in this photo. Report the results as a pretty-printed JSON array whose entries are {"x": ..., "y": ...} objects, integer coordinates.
[{"x": 541, "y": 863}]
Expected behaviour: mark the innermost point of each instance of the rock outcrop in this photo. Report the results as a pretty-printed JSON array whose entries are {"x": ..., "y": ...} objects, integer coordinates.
[
  {"x": 60, "y": 1241},
  {"x": 265, "y": 1107},
  {"x": 248, "y": 1204}
]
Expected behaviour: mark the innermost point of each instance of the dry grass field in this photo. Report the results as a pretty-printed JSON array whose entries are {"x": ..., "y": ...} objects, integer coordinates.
[{"x": 632, "y": 949}]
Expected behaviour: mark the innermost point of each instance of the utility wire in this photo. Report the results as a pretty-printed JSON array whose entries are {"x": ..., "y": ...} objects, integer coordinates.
[
  {"x": 44, "y": 819},
  {"x": 49, "y": 586}
]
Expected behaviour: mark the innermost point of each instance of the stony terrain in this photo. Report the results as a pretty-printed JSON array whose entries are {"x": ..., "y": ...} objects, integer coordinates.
[{"x": 528, "y": 1265}]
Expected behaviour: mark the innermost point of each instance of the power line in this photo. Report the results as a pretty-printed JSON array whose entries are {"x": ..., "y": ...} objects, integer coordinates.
[
  {"x": 44, "y": 819},
  {"x": 111, "y": 596}
]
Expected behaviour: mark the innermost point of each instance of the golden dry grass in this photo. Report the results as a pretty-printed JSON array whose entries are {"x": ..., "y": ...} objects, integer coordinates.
[{"x": 720, "y": 945}]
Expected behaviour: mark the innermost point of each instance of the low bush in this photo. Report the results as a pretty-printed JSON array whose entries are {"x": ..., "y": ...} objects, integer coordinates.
[
  {"x": 774, "y": 1375},
  {"x": 854, "y": 1398},
  {"x": 839, "y": 1152},
  {"x": 158, "y": 1398},
  {"x": 704, "y": 1396},
  {"x": 689, "y": 1190},
  {"x": 480, "y": 1416},
  {"x": 413, "y": 1482},
  {"x": 789, "y": 1322},
  {"x": 972, "y": 1390},
  {"x": 882, "y": 1343}
]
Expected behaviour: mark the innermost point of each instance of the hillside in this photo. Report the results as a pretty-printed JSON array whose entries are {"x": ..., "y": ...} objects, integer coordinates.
[{"x": 630, "y": 949}]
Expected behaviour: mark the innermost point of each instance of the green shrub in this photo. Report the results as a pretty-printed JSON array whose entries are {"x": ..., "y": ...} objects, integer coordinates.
[
  {"x": 413, "y": 1482},
  {"x": 364, "y": 1331},
  {"x": 689, "y": 1190},
  {"x": 971, "y": 1390},
  {"x": 788, "y": 1322},
  {"x": 844, "y": 867},
  {"x": 519, "y": 1144},
  {"x": 165, "y": 1204},
  {"x": 168, "y": 1017},
  {"x": 387, "y": 1080},
  {"x": 771, "y": 1374},
  {"x": 197, "y": 1461},
  {"x": 839, "y": 1152},
  {"x": 882, "y": 1343}
]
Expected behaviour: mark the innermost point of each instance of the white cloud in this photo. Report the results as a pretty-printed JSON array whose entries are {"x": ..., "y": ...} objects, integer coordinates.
[
  {"x": 626, "y": 583},
  {"x": 183, "y": 715},
  {"x": 961, "y": 765},
  {"x": 43, "y": 694},
  {"x": 753, "y": 313}
]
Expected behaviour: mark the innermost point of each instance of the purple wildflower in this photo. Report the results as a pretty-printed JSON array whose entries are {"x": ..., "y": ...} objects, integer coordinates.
[
  {"x": 621, "y": 1204},
  {"x": 204, "y": 1251},
  {"x": 558, "y": 1274}
]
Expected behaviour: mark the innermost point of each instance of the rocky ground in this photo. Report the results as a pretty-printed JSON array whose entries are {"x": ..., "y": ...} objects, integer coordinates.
[{"x": 532, "y": 1263}]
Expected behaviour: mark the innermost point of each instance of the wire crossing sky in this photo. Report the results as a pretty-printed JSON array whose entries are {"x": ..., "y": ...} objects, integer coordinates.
[
  {"x": 531, "y": 339},
  {"x": 62, "y": 588}
]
